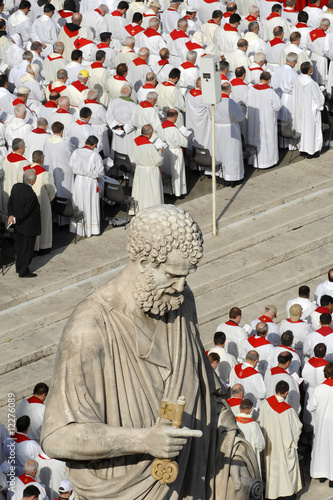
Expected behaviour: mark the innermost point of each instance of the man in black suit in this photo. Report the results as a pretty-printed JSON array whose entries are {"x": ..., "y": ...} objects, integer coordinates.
[{"x": 25, "y": 214}]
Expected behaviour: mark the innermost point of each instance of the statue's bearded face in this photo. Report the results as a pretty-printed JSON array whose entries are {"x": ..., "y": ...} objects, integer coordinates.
[{"x": 160, "y": 289}]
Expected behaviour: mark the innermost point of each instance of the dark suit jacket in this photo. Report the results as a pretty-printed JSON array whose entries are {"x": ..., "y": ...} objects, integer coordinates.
[{"x": 23, "y": 204}]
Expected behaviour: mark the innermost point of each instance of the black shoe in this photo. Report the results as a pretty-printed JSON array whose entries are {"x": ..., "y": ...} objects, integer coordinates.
[
  {"x": 28, "y": 274},
  {"x": 330, "y": 484},
  {"x": 322, "y": 479},
  {"x": 44, "y": 251},
  {"x": 316, "y": 155}
]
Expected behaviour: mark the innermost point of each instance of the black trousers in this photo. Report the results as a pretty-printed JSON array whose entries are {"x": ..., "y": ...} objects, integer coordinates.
[{"x": 24, "y": 252}]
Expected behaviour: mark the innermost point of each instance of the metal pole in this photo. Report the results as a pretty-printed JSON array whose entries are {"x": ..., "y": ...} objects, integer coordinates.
[{"x": 213, "y": 172}]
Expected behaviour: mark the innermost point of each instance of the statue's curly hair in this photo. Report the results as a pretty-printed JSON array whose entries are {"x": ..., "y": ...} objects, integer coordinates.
[{"x": 156, "y": 231}]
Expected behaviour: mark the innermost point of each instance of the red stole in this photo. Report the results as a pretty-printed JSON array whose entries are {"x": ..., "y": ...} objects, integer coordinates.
[
  {"x": 144, "y": 105},
  {"x": 121, "y": 78},
  {"x": 244, "y": 420},
  {"x": 251, "y": 18},
  {"x": 56, "y": 89},
  {"x": 79, "y": 86},
  {"x": 272, "y": 16},
  {"x": 177, "y": 34},
  {"x": 62, "y": 110},
  {"x": 298, "y": 321},
  {"x": 54, "y": 58},
  {"x": 116, "y": 13},
  {"x": 246, "y": 372},
  {"x": 168, "y": 84},
  {"x": 257, "y": 342},
  {"x": 237, "y": 81},
  {"x": 322, "y": 309},
  {"x": 50, "y": 104},
  {"x": 103, "y": 45},
  {"x": 278, "y": 371},
  {"x": 275, "y": 41},
  {"x": 148, "y": 86},
  {"x": 69, "y": 33},
  {"x": 226, "y": 15},
  {"x": 37, "y": 131},
  {"x": 231, "y": 323},
  {"x": 33, "y": 399},
  {"x": 264, "y": 318},
  {"x": 224, "y": 78},
  {"x": 162, "y": 62},
  {"x": 81, "y": 122},
  {"x": 228, "y": 27},
  {"x": 133, "y": 29},
  {"x": 192, "y": 45},
  {"x": 318, "y": 362},
  {"x": 26, "y": 479},
  {"x": 187, "y": 65},
  {"x": 288, "y": 348},
  {"x": 65, "y": 13},
  {"x": 224, "y": 96},
  {"x": 149, "y": 32},
  {"x": 195, "y": 92},
  {"x": 211, "y": 21},
  {"x": 301, "y": 25},
  {"x": 141, "y": 140},
  {"x": 17, "y": 101},
  {"x": 276, "y": 406},
  {"x": 81, "y": 42},
  {"x": 39, "y": 170},
  {"x": 139, "y": 62},
  {"x": 168, "y": 124},
  {"x": 96, "y": 65},
  {"x": 14, "y": 157},
  {"x": 325, "y": 330},
  {"x": 234, "y": 402},
  {"x": 328, "y": 382},
  {"x": 91, "y": 101},
  {"x": 98, "y": 11},
  {"x": 317, "y": 33},
  {"x": 255, "y": 69}
]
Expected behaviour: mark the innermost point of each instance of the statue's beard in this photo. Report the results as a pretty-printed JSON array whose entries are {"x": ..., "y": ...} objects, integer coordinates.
[{"x": 154, "y": 301}]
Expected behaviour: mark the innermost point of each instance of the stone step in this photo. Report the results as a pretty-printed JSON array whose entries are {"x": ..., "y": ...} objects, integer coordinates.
[{"x": 263, "y": 284}]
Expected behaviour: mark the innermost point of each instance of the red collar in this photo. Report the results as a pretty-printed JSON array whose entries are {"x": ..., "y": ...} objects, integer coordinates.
[
  {"x": 257, "y": 342},
  {"x": 81, "y": 42},
  {"x": 325, "y": 330},
  {"x": 50, "y": 104},
  {"x": 39, "y": 170},
  {"x": 62, "y": 110},
  {"x": 329, "y": 382},
  {"x": 133, "y": 29},
  {"x": 56, "y": 89},
  {"x": 161, "y": 62},
  {"x": 192, "y": 45},
  {"x": 298, "y": 321},
  {"x": 272, "y": 16},
  {"x": 18, "y": 101},
  {"x": 177, "y": 34},
  {"x": 288, "y": 348},
  {"x": 144, "y": 105},
  {"x": 244, "y": 420},
  {"x": 14, "y": 157},
  {"x": 79, "y": 86},
  {"x": 195, "y": 92},
  {"x": 121, "y": 78},
  {"x": 256, "y": 68},
  {"x": 98, "y": 11},
  {"x": 148, "y": 86},
  {"x": 116, "y": 13},
  {"x": 318, "y": 362},
  {"x": 91, "y": 101},
  {"x": 246, "y": 372},
  {"x": 322, "y": 310},
  {"x": 226, "y": 15},
  {"x": 26, "y": 479},
  {"x": 224, "y": 96},
  {"x": 139, "y": 62},
  {"x": 228, "y": 27},
  {"x": 234, "y": 402},
  {"x": 237, "y": 81},
  {"x": 278, "y": 371},
  {"x": 20, "y": 437},
  {"x": 276, "y": 406},
  {"x": 69, "y": 33},
  {"x": 231, "y": 323},
  {"x": 317, "y": 33},
  {"x": 301, "y": 25},
  {"x": 81, "y": 122},
  {"x": 251, "y": 18},
  {"x": 264, "y": 318},
  {"x": 187, "y": 65},
  {"x": 211, "y": 21},
  {"x": 65, "y": 13},
  {"x": 96, "y": 65},
  {"x": 33, "y": 399},
  {"x": 275, "y": 41},
  {"x": 168, "y": 84},
  {"x": 149, "y": 32},
  {"x": 103, "y": 45},
  {"x": 141, "y": 140},
  {"x": 38, "y": 131},
  {"x": 168, "y": 124},
  {"x": 54, "y": 58}
]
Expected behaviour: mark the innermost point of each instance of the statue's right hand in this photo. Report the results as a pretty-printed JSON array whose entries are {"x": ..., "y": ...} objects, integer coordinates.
[{"x": 164, "y": 441}]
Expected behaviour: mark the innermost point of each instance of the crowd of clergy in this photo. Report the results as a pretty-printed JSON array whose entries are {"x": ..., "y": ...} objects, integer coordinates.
[
  {"x": 278, "y": 381},
  {"x": 127, "y": 75}
]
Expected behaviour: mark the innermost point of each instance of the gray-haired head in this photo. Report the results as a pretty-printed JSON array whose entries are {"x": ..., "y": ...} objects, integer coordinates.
[
  {"x": 29, "y": 176},
  {"x": 20, "y": 111},
  {"x": 152, "y": 96},
  {"x": 42, "y": 122},
  {"x": 30, "y": 465},
  {"x": 291, "y": 57},
  {"x": 17, "y": 143},
  {"x": 252, "y": 356},
  {"x": 126, "y": 91},
  {"x": 191, "y": 55}
]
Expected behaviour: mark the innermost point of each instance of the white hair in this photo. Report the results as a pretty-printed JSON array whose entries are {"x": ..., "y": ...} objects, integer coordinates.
[
  {"x": 154, "y": 21},
  {"x": 126, "y": 91},
  {"x": 31, "y": 465},
  {"x": 191, "y": 55},
  {"x": 20, "y": 111},
  {"x": 258, "y": 57},
  {"x": 129, "y": 40},
  {"x": 291, "y": 57}
]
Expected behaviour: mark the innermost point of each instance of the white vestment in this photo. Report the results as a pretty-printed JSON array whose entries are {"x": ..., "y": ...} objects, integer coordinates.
[
  {"x": 300, "y": 330},
  {"x": 263, "y": 348},
  {"x": 308, "y": 101},
  {"x": 57, "y": 155},
  {"x": 235, "y": 334},
  {"x": 321, "y": 406},
  {"x": 263, "y": 105},
  {"x": 283, "y": 82},
  {"x": 295, "y": 364},
  {"x": 273, "y": 376},
  {"x": 272, "y": 22},
  {"x": 170, "y": 97},
  {"x": 63, "y": 116},
  {"x": 45, "y": 191},
  {"x": 137, "y": 72},
  {"x": 16, "y": 128},
  {"x": 313, "y": 375},
  {"x": 76, "y": 92},
  {"x": 73, "y": 68},
  {"x": 237, "y": 58},
  {"x": 151, "y": 39},
  {"x": 325, "y": 288},
  {"x": 79, "y": 131},
  {"x": 324, "y": 335},
  {"x": 307, "y": 307},
  {"x": 98, "y": 79},
  {"x": 198, "y": 119},
  {"x": 281, "y": 428},
  {"x": 44, "y": 30},
  {"x": 147, "y": 188},
  {"x": 227, "y": 363},
  {"x": 87, "y": 166},
  {"x": 25, "y": 448},
  {"x": 19, "y": 22},
  {"x": 226, "y": 38},
  {"x": 173, "y": 156},
  {"x": 317, "y": 45},
  {"x": 21, "y": 483},
  {"x": 251, "y": 380},
  {"x": 206, "y": 9},
  {"x": 34, "y": 141},
  {"x": 52, "y": 63},
  {"x": 252, "y": 433},
  {"x": 273, "y": 329},
  {"x": 228, "y": 115},
  {"x": 50, "y": 473},
  {"x": 98, "y": 122},
  {"x": 35, "y": 411},
  {"x": 120, "y": 112},
  {"x": 12, "y": 168},
  {"x": 143, "y": 114}
]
